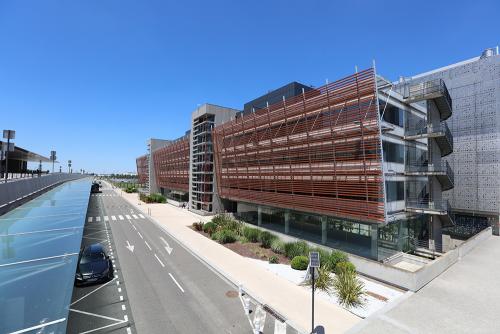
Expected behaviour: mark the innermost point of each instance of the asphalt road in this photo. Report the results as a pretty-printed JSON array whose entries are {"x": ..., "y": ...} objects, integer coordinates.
[
  {"x": 100, "y": 308},
  {"x": 169, "y": 290}
]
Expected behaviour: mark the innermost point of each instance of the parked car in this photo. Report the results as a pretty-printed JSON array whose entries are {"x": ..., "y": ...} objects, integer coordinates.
[
  {"x": 93, "y": 265},
  {"x": 95, "y": 188}
]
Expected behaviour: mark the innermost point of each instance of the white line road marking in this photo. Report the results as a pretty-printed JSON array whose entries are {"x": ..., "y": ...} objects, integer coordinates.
[
  {"x": 123, "y": 308},
  {"x": 90, "y": 219},
  {"x": 128, "y": 217},
  {"x": 96, "y": 315},
  {"x": 129, "y": 331},
  {"x": 140, "y": 234},
  {"x": 135, "y": 228},
  {"x": 117, "y": 282},
  {"x": 180, "y": 287},
  {"x": 125, "y": 317},
  {"x": 91, "y": 292},
  {"x": 106, "y": 218},
  {"x": 113, "y": 218},
  {"x": 38, "y": 326},
  {"x": 119, "y": 289},
  {"x": 140, "y": 215},
  {"x": 135, "y": 217},
  {"x": 121, "y": 217},
  {"x": 156, "y": 256},
  {"x": 97, "y": 219},
  {"x": 147, "y": 244},
  {"x": 121, "y": 298}
]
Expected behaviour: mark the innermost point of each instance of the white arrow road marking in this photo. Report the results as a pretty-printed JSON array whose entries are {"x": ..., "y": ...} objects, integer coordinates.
[
  {"x": 167, "y": 247},
  {"x": 121, "y": 217},
  {"x": 128, "y": 217},
  {"x": 130, "y": 247}
]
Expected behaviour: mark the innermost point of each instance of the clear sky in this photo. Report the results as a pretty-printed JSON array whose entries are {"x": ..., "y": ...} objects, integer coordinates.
[{"x": 93, "y": 79}]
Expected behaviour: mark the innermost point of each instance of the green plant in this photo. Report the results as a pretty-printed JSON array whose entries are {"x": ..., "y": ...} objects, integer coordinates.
[
  {"x": 278, "y": 246},
  {"x": 299, "y": 262},
  {"x": 153, "y": 198},
  {"x": 224, "y": 236},
  {"x": 209, "y": 228},
  {"x": 252, "y": 234},
  {"x": 130, "y": 189},
  {"x": 348, "y": 289},
  {"x": 266, "y": 238},
  {"x": 198, "y": 226},
  {"x": 345, "y": 266},
  {"x": 336, "y": 257},
  {"x": 274, "y": 259},
  {"x": 226, "y": 222},
  {"x": 323, "y": 255},
  {"x": 297, "y": 248},
  {"x": 324, "y": 281}
]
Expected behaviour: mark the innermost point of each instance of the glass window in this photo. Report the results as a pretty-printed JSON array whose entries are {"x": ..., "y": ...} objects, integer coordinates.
[
  {"x": 395, "y": 190},
  {"x": 393, "y": 152},
  {"x": 392, "y": 114}
]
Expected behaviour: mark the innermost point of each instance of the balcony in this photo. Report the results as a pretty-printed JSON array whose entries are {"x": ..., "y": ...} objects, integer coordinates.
[
  {"x": 442, "y": 171},
  {"x": 430, "y": 90},
  {"x": 441, "y": 208},
  {"x": 440, "y": 132}
]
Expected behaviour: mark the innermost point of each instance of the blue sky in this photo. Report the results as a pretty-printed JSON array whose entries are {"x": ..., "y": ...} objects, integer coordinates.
[{"x": 93, "y": 79}]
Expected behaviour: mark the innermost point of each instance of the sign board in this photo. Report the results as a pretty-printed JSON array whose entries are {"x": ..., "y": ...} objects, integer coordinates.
[
  {"x": 9, "y": 134},
  {"x": 53, "y": 156},
  {"x": 313, "y": 259},
  {"x": 11, "y": 147}
]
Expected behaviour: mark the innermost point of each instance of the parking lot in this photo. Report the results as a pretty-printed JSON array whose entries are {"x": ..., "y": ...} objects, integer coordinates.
[{"x": 103, "y": 307}]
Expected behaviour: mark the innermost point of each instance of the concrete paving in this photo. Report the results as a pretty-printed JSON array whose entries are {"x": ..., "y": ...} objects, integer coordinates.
[
  {"x": 464, "y": 299},
  {"x": 291, "y": 301}
]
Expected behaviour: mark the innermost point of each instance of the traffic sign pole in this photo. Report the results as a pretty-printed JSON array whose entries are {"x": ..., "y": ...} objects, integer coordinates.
[
  {"x": 313, "y": 264},
  {"x": 312, "y": 316}
]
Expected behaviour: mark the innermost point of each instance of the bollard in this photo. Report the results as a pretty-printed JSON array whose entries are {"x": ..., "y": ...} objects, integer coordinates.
[{"x": 246, "y": 305}]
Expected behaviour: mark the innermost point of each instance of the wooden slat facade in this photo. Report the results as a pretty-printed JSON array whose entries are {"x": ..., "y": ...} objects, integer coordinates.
[
  {"x": 142, "y": 169},
  {"x": 318, "y": 152},
  {"x": 172, "y": 165}
]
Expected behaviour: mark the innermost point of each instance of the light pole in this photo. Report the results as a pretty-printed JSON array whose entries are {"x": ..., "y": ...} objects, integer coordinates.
[
  {"x": 69, "y": 166},
  {"x": 8, "y": 134}
]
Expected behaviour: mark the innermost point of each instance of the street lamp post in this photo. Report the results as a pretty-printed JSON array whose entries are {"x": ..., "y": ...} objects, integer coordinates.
[
  {"x": 69, "y": 166},
  {"x": 53, "y": 158},
  {"x": 8, "y": 134}
]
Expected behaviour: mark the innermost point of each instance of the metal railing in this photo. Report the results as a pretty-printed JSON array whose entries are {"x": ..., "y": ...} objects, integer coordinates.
[
  {"x": 426, "y": 167},
  {"x": 423, "y": 90},
  {"x": 422, "y": 128},
  {"x": 426, "y": 204}
]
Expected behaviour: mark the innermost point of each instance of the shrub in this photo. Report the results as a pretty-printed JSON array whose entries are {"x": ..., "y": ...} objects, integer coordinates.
[
  {"x": 278, "y": 246},
  {"x": 300, "y": 262},
  {"x": 130, "y": 189},
  {"x": 348, "y": 289},
  {"x": 252, "y": 234},
  {"x": 345, "y": 266},
  {"x": 274, "y": 259},
  {"x": 324, "y": 281},
  {"x": 153, "y": 198},
  {"x": 198, "y": 226},
  {"x": 226, "y": 236},
  {"x": 335, "y": 258},
  {"x": 225, "y": 222},
  {"x": 209, "y": 228},
  {"x": 266, "y": 238},
  {"x": 298, "y": 248}
]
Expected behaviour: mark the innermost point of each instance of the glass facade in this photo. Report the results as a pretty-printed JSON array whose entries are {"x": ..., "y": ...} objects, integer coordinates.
[{"x": 393, "y": 152}]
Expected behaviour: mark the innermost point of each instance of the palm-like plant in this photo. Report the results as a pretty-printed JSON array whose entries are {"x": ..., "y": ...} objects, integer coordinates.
[{"x": 348, "y": 289}]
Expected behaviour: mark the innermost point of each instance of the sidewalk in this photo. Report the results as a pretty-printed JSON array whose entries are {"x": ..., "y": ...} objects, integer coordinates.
[{"x": 290, "y": 300}]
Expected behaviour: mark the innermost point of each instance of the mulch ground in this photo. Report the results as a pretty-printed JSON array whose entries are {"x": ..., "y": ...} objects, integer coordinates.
[{"x": 250, "y": 249}]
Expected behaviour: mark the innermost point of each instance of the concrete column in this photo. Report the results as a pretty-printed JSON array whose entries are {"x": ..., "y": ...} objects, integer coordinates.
[
  {"x": 259, "y": 215},
  {"x": 324, "y": 232},
  {"x": 287, "y": 221},
  {"x": 374, "y": 243}
]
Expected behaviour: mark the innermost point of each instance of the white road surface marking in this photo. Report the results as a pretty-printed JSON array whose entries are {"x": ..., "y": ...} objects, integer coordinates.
[
  {"x": 140, "y": 215},
  {"x": 147, "y": 244},
  {"x": 156, "y": 256},
  {"x": 180, "y": 287},
  {"x": 113, "y": 218},
  {"x": 106, "y": 218},
  {"x": 121, "y": 217},
  {"x": 140, "y": 234},
  {"x": 97, "y": 219},
  {"x": 90, "y": 219},
  {"x": 135, "y": 217},
  {"x": 128, "y": 217},
  {"x": 123, "y": 308}
]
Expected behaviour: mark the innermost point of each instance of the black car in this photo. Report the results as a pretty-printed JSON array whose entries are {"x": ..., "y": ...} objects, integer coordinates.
[
  {"x": 93, "y": 265},
  {"x": 95, "y": 188}
]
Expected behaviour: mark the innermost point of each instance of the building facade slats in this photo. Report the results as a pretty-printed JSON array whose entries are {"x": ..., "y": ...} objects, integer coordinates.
[{"x": 172, "y": 165}]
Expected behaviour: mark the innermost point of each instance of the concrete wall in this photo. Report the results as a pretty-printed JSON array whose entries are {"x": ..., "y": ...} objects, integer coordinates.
[{"x": 12, "y": 193}]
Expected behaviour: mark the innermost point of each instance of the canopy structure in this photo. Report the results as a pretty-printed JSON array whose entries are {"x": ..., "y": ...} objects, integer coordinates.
[{"x": 22, "y": 154}]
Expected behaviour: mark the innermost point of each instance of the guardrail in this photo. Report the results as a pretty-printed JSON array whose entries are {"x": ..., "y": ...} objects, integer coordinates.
[{"x": 423, "y": 90}]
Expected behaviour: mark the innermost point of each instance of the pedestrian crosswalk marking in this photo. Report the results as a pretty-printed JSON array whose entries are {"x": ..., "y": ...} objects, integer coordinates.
[
  {"x": 128, "y": 217},
  {"x": 121, "y": 217},
  {"x": 135, "y": 217},
  {"x": 106, "y": 218},
  {"x": 140, "y": 215},
  {"x": 97, "y": 219},
  {"x": 113, "y": 218},
  {"x": 89, "y": 220}
]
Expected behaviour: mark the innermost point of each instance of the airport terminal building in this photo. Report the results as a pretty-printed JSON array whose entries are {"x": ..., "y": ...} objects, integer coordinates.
[{"x": 345, "y": 165}]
